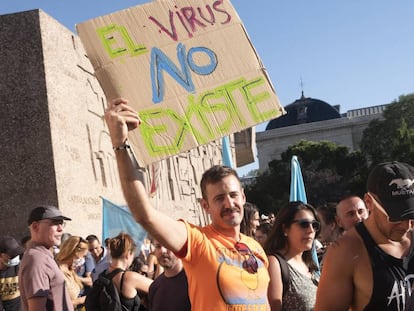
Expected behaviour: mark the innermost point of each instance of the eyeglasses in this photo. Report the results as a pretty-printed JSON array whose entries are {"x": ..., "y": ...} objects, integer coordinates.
[
  {"x": 54, "y": 222},
  {"x": 305, "y": 223},
  {"x": 250, "y": 264}
]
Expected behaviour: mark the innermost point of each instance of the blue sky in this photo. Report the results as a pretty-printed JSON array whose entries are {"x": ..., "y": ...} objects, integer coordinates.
[{"x": 350, "y": 53}]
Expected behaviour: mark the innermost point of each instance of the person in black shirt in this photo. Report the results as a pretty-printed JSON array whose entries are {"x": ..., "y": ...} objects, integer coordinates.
[
  {"x": 169, "y": 291},
  {"x": 371, "y": 266},
  {"x": 10, "y": 252}
]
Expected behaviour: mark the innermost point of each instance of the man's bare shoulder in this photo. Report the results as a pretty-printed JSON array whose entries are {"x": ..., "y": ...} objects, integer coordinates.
[
  {"x": 346, "y": 247},
  {"x": 344, "y": 273}
]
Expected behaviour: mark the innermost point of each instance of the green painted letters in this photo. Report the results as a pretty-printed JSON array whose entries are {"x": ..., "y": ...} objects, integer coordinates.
[
  {"x": 208, "y": 115},
  {"x": 108, "y": 36}
]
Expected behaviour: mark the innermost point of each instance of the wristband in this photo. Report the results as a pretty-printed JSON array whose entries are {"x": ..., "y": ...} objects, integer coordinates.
[{"x": 122, "y": 147}]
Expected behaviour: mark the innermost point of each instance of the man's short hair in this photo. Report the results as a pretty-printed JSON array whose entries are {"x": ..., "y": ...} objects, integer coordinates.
[
  {"x": 215, "y": 174},
  {"x": 90, "y": 238},
  {"x": 347, "y": 197}
]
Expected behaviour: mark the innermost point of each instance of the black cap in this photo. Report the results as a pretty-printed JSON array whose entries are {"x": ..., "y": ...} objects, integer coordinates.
[
  {"x": 9, "y": 246},
  {"x": 46, "y": 212},
  {"x": 393, "y": 184}
]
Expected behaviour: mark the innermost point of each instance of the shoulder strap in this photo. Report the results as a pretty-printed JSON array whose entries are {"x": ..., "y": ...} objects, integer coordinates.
[
  {"x": 411, "y": 252},
  {"x": 122, "y": 282},
  {"x": 110, "y": 275},
  {"x": 284, "y": 271},
  {"x": 366, "y": 237}
]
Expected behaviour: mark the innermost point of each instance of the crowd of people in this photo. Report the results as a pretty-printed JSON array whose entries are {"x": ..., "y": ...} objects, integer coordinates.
[
  {"x": 240, "y": 261},
  {"x": 55, "y": 270}
]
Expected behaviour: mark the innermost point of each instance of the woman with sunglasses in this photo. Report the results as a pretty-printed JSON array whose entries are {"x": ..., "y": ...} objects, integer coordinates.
[
  {"x": 292, "y": 236},
  {"x": 71, "y": 250}
]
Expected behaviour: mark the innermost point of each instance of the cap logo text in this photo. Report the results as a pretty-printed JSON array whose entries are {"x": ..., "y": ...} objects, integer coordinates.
[
  {"x": 402, "y": 183},
  {"x": 403, "y": 187}
]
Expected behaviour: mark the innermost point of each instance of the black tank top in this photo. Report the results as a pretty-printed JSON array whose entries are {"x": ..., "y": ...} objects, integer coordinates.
[
  {"x": 131, "y": 304},
  {"x": 391, "y": 276}
]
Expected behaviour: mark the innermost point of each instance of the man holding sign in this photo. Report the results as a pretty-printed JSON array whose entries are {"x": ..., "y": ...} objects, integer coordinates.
[{"x": 226, "y": 270}]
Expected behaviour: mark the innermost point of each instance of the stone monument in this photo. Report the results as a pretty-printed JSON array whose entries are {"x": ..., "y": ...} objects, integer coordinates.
[{"x": 55, "y": 145}]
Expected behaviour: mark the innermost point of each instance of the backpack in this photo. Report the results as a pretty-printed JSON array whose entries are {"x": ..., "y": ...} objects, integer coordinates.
[
  {"x": 284, "y": 271},
  {"x": 104, "y": 296}
]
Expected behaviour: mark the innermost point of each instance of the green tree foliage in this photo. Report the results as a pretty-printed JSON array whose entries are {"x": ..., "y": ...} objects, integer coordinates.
[
  {"x": 393, "y": 137},
  {"x": 329, "y": 172}
]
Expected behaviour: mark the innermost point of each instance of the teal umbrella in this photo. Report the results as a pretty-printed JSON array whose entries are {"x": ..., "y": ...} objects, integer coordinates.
[
  {"x": 297, "y": 186},
  {"x": 298, "y": 193},
  {"x": 226, "y": 152}
]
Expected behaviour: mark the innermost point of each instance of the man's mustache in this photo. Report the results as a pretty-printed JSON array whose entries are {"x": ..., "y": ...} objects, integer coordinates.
[{"x": 230, "y": 210}]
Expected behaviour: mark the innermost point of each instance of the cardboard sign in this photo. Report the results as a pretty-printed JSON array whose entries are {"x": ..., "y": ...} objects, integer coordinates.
[{"x": 188, "y": 68}]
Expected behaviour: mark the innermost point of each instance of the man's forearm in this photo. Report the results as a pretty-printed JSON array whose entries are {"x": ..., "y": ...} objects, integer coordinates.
[
  {"x": 132, "y": 185},
  {"x": 170, "y": 232}
]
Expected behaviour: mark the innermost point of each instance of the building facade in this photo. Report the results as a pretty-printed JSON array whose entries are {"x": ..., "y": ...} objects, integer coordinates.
[{"x": 313, "y": 120}]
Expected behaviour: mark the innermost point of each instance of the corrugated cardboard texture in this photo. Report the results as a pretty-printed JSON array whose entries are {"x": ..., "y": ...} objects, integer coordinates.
[
  {"x": 245, "y": 145},
  {"x": 187, "y": 67}
]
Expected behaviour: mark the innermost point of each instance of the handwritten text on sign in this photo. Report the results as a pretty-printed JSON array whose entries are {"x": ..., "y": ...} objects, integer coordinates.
[{"x": 219, "y": 87}]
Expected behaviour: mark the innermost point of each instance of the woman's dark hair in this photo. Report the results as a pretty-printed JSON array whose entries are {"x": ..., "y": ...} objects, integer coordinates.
[
  {"x": 265, "y": 227},
  {"x": 249, "y": 211},
  {"x": 328, "y": 212},
  {"x": 137, "y": 264},
  {"x": 277, "y": 242},
  {"x": 121, "y": 244}
]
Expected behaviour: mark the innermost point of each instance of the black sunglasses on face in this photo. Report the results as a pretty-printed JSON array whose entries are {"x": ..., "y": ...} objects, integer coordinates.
[
  {"x": 250, "y": 264},
  {"x": 305, "y": 223}
]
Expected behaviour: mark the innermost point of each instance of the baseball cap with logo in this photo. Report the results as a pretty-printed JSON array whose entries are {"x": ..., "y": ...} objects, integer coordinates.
[
  {"x": 9, "y": 246},
  {"x": 393, "y": 184},
  {"x": 46, "y": 212}
]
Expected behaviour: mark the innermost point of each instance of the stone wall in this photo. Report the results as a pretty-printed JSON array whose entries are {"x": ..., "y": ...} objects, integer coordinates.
[{"x": 55, "y": 144}]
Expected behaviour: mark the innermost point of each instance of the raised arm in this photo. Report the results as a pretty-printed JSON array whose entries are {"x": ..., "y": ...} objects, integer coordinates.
[{"x": 121, "y": 118}]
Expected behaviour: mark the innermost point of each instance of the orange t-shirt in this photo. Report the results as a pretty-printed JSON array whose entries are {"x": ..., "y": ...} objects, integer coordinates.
[{"x": 216, "y": 278}]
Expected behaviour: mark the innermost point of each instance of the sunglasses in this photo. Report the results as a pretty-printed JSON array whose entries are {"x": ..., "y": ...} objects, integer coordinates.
[
  {"x": 304, "y": 224},
  {"x": 250, "y": 264}
]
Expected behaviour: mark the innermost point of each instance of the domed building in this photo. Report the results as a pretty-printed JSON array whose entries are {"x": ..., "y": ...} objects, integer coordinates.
[
  {"x": 315, "y": 120},
  {"x": 305, "y": 110}
]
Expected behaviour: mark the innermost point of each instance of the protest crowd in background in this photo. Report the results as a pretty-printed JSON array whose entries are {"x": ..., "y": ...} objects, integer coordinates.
[
  {"x": 366, "y": 251},
  {"x": 354, "y": 254},
  {"x": 54, "y": 270}
]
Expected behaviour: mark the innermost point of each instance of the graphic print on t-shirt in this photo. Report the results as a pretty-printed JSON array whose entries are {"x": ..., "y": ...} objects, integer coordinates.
[{"x": 237, "y": 286}]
